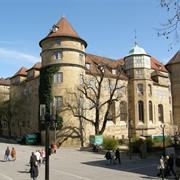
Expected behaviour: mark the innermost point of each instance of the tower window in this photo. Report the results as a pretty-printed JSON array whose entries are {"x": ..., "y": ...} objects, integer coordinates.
[
  {"x": 58, "y": 77},
  {"x": 140, "y": 88},
  {"x": 141, "y": 111},
  {"x": 58, "y": 42},
  {"x": 58, "y": 55}
]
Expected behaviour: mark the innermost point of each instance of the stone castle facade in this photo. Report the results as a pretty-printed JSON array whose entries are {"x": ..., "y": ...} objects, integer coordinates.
[{"x": 148, "y": 90}]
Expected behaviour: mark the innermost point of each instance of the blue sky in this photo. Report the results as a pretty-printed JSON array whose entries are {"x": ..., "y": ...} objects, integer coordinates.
[{"x": 108, "y": 26}]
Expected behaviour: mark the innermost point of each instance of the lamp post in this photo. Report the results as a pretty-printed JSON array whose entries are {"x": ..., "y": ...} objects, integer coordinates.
[
  {"x": 129, "y": 135},
  {"x": 163, "y": 126},
  {"x": 47, "y": 118},
  {"x": 55, "y": 126}
]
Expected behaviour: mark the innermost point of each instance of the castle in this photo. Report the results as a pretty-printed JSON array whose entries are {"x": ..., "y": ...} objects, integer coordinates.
[{"x": 146, "y": 94}]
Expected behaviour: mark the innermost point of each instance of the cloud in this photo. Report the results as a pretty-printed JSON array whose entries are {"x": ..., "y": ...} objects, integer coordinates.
[{"x": 18, "y": 55}]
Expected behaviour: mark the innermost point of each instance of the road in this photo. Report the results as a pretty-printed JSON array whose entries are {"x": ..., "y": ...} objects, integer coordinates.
[{"x": 73, "y": 164}]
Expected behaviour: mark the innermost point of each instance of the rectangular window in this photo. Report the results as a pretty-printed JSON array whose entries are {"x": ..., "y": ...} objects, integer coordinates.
[
  {"x": 138, "y": 71},
  {"x": 58, "y": 101},
  {"x": 91, "y": 84},
  {"x": 24, "y": 92},
  {"x": 30, "y": 90},
  {"x": 80, "y": 57},
  {"x": 6, "y": 87},
  {"x": 156, "y": 93},
  {"x": 58, "y": 42},
  {"x": 81, "y": 79},
  {"x": 58, "y": 55},
  {"x": 58, "y": 77}
]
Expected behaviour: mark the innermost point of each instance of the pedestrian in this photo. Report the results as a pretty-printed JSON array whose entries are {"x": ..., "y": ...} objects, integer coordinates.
[
  {"x": 161, "y": 167},
  {"x": 166, "y": 166},
  {"x": 33, "y": 166},
  {"x": 7, "y": 153},
  {"x": 113, "y": 157},
  {"x": 117, "y": 154},
  {"x": 54, "y": 148},
  {"x": 171, "y": 164},
  {"x": 43, "y": 155},
  {"x": 108, "y": 157},
  {"x": 38, "y": 156},
  {"x": 13, "y": 154},
  {"x": 177, "y": 162}
]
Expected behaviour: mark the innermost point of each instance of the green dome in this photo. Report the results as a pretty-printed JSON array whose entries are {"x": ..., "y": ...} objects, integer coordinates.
[{"x": 136, "y": 50}]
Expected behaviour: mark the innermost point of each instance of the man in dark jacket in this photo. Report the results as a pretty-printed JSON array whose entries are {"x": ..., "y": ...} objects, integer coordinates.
[
  {"x": 7, "y": 153},
  {"x": 117, "y": 154},
  {"x": 34, "y": 166},
  {"x": 108, "y": 157},
  {"x": 171, "y": 164},
  {"x": 177, "y": 162}
]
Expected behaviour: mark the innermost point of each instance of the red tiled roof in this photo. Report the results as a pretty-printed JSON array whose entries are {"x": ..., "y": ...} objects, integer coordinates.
[
  {"x": 64, "y": 28},
  {"x": 5, "y": 82},
  {"x": 107, "y": 63},
  {"x": 175, "y": 59},
  {"x": 155, "y": 64},
  {"x": 36, "y": 66},
  {"x": 21, "y": 72}
]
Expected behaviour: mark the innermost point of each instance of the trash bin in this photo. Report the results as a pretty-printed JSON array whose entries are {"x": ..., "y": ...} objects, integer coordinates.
[{"x": 31, "y": 139}]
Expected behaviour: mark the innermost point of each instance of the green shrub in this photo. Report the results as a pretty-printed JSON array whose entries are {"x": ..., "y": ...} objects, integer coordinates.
[
  {"x": 135, "y": 145},
  {"x": 110, "y": 143}
]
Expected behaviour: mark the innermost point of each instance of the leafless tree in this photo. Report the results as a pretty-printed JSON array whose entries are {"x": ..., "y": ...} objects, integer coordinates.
[
  {"x": 100, "y": 89},
  {"x": 171, "y": 25}
]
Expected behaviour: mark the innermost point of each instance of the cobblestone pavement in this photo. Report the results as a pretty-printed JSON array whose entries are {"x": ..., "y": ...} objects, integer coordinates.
[{"x": 73, "y": 164}]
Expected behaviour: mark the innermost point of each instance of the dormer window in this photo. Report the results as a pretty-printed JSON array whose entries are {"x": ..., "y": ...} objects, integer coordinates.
[
  {"x": 113, "y": 71},
  {"x": 54, "y": 28},
  {"x": 87, "y": 65}
]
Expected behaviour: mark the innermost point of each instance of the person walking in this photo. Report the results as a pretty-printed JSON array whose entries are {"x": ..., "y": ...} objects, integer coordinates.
[
  {"x": 177, "y": 162},
  {"x": 38, "y": 156},
  {"x": 171, "y": 164},
  {"x": 108, "y": 157},
  {"x": 161, "y": 167},
  {"x": 55, "y": 148},
  {"x": 113, "y": 157},
  {"x": 33, "y": 166},
  {"x": 117, "y": 154},
  {"x": 43, "y": 155},
  {"x": 7, "y": 153},
  {"x": 13, "y": 154}
]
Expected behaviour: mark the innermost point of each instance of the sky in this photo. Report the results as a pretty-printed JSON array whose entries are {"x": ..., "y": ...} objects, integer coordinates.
[{"x": 108, "y": 26}]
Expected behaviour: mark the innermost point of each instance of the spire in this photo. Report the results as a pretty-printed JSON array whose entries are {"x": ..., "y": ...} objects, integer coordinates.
[
  {"x": 63, "y": 29},
  {"x": 135, "y": 33}
]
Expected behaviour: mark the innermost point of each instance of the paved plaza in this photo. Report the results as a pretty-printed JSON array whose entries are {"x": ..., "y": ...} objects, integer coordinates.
[{"x": 73, "y": 164}]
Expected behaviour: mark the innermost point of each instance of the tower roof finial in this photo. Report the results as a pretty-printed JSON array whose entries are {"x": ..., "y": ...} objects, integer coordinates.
[
  {"x": 63, "y": 15},
  {"x": 135, "y": 33}
]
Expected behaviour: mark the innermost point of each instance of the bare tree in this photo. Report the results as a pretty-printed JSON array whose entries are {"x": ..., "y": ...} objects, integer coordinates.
[
  {"x": 100, "y": 90},
  {"x": 9, "y": 109},
  {"x": 170, "y": 26}
]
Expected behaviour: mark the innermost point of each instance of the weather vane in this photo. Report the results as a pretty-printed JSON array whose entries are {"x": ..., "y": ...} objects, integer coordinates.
[{"x": 135, "y": 33}]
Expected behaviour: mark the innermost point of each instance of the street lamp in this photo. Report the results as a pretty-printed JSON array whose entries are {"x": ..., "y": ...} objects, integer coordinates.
[
  {"x": 163, "y": 126},
  {"x": 47, "y": 118},
  {"x": 129, "y": 136},
  {"x": 55, "y": 126}
]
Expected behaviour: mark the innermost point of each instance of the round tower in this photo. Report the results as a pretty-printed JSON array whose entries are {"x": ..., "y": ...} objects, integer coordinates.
[{"x": 63, "y": 48}]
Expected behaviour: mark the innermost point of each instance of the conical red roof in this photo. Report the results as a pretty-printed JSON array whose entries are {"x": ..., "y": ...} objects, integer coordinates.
[{"x": 63, "y": 28}]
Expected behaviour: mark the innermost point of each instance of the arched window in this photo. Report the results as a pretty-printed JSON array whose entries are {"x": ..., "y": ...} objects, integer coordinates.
[
  {"x": 140, "y": 88},
  {"x": 149, "y": 89},
  {"x": 141, "y": 111},
  {"x": 150, "y": 111},
  {"x": 160, "y": 113},
  {"x": 123, "y": 111}
]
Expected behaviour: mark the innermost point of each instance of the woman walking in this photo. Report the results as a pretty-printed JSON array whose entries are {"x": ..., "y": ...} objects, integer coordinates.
[
  {"x": 13, "y": 154},
  {"x": 161, "y": 167}
]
